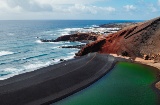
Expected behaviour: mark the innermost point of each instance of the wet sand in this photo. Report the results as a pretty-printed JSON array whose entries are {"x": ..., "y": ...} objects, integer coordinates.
[{"x": 52, "y": 83}]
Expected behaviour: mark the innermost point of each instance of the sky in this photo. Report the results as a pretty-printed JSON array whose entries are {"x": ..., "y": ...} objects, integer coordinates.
[{"x": 79, "y": 9}]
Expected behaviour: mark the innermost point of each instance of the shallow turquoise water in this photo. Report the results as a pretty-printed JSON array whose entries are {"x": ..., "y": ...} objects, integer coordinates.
[{"x": 126, "y": 84}]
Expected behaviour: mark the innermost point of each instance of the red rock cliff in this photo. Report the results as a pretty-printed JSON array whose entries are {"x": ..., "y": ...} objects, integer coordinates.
[{"x": 136, "y": 40}]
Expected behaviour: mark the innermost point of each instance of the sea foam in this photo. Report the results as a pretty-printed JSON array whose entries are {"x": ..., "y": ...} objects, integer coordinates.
[
  {"x": 2, "y": 53},
  {"x": 36, "y": 65},
  {"x": 39, "y": 41}
]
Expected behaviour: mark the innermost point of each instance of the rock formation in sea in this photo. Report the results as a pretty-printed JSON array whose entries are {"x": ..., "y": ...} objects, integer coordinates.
[
  {"x": 135, "y": 41},
  {"x": 74, "y": 37}
]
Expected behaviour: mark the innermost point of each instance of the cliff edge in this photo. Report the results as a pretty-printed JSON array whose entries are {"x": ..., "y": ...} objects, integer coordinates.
[{"x": 137, "y": 40}]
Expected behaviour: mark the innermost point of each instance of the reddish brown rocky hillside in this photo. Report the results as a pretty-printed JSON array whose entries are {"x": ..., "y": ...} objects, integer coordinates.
[{"x": 136, "y": 40}]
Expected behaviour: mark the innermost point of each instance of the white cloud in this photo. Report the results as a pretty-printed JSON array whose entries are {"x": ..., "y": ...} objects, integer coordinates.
[
  {"x": 65, "y": 1},
  {"x": 68, "y": 6},
  {"x": 42, "y": 9},
  {"x": 130, "y": 7},
  {"x": 53, "y": 6},
  {"x": 79, "y": 8},
  {"x": 4, "y": 7}
]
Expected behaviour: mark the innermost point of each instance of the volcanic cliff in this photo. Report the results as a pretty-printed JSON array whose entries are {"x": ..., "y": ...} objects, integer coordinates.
[{"x": 134, "y": 41}]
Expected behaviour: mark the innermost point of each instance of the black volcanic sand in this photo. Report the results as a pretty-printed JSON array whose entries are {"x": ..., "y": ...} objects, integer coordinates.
[{"x": 52, "y": 83}]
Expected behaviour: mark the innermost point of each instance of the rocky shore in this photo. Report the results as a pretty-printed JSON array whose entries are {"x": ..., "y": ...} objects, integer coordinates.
[
  {"x": 137, "y": 41},
  {"x": 118, "y": 25},
  {"x": 56, "y": 82},
  {"x": 94, "y": 40}
]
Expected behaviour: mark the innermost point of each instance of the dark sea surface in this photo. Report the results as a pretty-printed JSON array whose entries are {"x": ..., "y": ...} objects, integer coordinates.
[{"x": 22, "y": 51}]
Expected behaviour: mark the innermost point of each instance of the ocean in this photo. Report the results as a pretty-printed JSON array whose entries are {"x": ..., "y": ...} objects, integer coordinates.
[{"x": 22, "y": 51}]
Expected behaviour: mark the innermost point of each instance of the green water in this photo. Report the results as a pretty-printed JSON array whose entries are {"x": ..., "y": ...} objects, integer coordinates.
[{"x": 126, "y": 84}]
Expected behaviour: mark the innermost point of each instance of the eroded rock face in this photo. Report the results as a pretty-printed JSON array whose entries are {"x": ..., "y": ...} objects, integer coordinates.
[
  {"x": 92, "y": 47},
  {"x": 136, "y": 40}
]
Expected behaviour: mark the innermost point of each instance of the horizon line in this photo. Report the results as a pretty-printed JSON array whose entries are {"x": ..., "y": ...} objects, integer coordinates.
[{"x": 69, "y": 19}]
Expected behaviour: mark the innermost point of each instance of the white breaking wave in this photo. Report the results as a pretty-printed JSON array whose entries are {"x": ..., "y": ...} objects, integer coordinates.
[
  {"x": 56, "y": 42},
  {"x": 26, "y": 68},
  {"x": 39, "y": 41},
  {"x": 69, "y": 57},
  {"x": 11, "y": 34},
  {"x": 36, "y": 65},
  {"x": 29, "y": 67},
  {"x": 2, "y": 53},
  {"x": 11, "y": 70},
  {"x": 67, "y": 31}
]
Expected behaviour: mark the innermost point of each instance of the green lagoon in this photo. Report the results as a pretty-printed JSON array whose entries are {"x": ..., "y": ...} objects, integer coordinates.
[{"x": 126, "y": 84}]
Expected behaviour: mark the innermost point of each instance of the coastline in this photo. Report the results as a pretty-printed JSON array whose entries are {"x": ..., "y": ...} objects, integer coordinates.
[
  {"x": 101, "y": 39},
  {"x": 43, "y": 78},
  {"x": 53, "y": 83},
  {"x": 150, "y": 63}
]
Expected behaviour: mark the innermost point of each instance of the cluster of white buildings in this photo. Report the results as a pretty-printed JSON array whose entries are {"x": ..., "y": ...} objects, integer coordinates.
[{"x": 96, "y": 30}]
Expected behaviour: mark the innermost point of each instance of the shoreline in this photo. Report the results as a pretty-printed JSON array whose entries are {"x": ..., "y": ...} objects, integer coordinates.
[
  {"x": 149, "y": 63},
  {"x": 43, "y": 78},
  {"x": 48, "y": 85},
  {"x": 55, "y": 82}
]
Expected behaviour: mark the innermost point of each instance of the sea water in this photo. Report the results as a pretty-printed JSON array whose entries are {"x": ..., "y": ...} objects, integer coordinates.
[{"x": 22, "y": 51}]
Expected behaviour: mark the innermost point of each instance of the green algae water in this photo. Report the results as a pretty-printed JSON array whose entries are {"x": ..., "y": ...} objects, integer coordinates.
[{"x": 126, "y": 84}]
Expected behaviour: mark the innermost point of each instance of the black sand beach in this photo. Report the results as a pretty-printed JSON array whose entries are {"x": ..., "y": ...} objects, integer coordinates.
[{"x": 52, "y": 83}]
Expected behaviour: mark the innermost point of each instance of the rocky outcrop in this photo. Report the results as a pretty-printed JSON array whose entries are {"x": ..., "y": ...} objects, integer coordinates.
[
  {"x": 92, "y": 47},
  {"x": 74, "y": 37},
  {"x": 134, "y": 41},
  {"x": 138, "y": 40},
  {"x": 117, "y": 25},
  {"x": 76, "y": 46}
]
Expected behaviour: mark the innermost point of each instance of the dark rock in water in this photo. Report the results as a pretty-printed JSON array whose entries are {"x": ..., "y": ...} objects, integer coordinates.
[
  {"x": 47, "y": 40},
  {"x": 62, "y": 60},
  {"x": 73, "y": 37},
  {"x": 77, "y": 46}
]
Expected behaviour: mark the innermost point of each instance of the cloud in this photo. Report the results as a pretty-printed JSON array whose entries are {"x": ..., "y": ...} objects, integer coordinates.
[
  {"x": 52, "y": 2},
  {"x": 28, "y": 5},
  {"x": 90, "y": 9},
  {"x": 64, "y": 6},
  {"x": 52, "y": 6},
  {"x": 129, "y": 7},
  {"x": 4, "y": 7}
]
